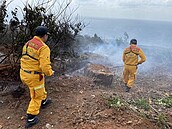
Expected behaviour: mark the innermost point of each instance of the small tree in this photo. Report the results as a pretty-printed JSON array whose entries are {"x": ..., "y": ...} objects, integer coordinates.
[
  {"x": 3, "y": 20},
  {"x": 62, "y": 27}
]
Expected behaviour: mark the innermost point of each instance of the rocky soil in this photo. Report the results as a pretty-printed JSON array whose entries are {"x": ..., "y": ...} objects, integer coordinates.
[{"x": 78, "y": 103}]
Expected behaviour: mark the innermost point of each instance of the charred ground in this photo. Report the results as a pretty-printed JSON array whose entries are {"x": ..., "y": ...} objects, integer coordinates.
[{"x": 80, "y": 104}]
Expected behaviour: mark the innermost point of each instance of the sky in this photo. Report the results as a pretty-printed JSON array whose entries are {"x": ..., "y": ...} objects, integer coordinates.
[
  {"x": 125, "y": 9},
  {"x": 129, "y": 9}
]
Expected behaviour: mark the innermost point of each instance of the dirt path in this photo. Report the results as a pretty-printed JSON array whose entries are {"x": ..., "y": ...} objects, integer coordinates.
[{"x": 77, "y": 104}]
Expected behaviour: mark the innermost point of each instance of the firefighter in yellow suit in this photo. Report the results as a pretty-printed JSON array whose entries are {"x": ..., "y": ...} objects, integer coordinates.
[
  {"x": 131, "y": 59},
  {"x": 35, "y": 63}
]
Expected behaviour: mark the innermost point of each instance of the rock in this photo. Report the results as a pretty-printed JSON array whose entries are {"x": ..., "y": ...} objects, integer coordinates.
[
  {"x": 100, "y": 74},
  {"x": 48, "y": 126},
  {"x": 129, "y": 122},
  {"x": 93, "y": 96},
  {"x": 81, "y": 92},
  {"x": 22, "y": 118},
  {"x": 93, "y": 122}
]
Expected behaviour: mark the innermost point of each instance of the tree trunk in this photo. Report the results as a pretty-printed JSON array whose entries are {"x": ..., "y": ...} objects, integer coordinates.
[{"x": 100, "y": 74}]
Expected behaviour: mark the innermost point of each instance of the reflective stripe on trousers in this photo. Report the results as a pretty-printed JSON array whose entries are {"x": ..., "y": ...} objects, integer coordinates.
[{"x": 37, "y": 91}]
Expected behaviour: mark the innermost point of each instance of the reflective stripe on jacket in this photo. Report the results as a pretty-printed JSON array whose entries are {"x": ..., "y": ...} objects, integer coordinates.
[{"x": 36, "y": 56}]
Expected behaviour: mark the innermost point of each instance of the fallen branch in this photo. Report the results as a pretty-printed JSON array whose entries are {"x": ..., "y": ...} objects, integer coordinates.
[
  {"x": 164, "y": 123},
  {"x": 5, "y": 66}
]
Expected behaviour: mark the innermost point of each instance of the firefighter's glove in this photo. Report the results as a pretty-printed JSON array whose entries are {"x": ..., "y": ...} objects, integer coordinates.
[
  {"x": 139, "y": 63},
  {"x": 53, "y": 73}
]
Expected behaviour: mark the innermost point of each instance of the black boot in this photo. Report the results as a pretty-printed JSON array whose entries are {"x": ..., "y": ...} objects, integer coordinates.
[
  {"x": 45, "y": 103},
  {"x": 127, "y": 89},
  {"x": 31, "y": 120}
]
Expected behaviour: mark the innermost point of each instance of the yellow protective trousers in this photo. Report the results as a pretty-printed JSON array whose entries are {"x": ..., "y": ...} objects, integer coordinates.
[
  {"x": 35, "y": 83},
  {"x": 129, "y": 74}
]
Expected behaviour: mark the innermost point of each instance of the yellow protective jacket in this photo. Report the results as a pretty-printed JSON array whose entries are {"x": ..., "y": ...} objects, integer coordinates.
[
  {"x": 130, "y": 55},
  {"x": 36, "y": 57}
]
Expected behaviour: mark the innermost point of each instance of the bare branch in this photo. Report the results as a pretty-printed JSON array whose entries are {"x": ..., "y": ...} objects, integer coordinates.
[{"x": 64, "y": 9}]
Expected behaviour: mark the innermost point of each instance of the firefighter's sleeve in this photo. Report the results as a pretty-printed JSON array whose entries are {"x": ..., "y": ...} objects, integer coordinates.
[
  {"x": 142, "y": 57},
  {"x": 123, "y": 56},
  {"x": 44, "y": 59}
]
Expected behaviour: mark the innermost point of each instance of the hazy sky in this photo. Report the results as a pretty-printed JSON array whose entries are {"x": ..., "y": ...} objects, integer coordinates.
[
  {"x": 135, "y": 9},
  {"x": 130, "y": 9}
]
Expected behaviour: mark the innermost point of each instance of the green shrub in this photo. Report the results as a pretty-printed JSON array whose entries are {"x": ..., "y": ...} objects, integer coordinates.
[
  {"x": 115, "y": 102},
  {"x": 142, "y": 103},
  {"x": 167, "y": 101}
]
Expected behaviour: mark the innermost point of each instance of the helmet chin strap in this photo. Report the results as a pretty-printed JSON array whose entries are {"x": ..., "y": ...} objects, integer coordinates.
[{"x": 44, "y": 38}]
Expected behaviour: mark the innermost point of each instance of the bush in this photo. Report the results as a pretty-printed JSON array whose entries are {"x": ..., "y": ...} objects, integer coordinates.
[{"x": 61, "y": 26}]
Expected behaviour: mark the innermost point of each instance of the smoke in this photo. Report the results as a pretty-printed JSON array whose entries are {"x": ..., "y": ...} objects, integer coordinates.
[
  {"x": 107, "y": 53},
  {"x": 110, "y": 54},
  {"x": 153, "y": 38},
  {"x": 158, "y": 58}
]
